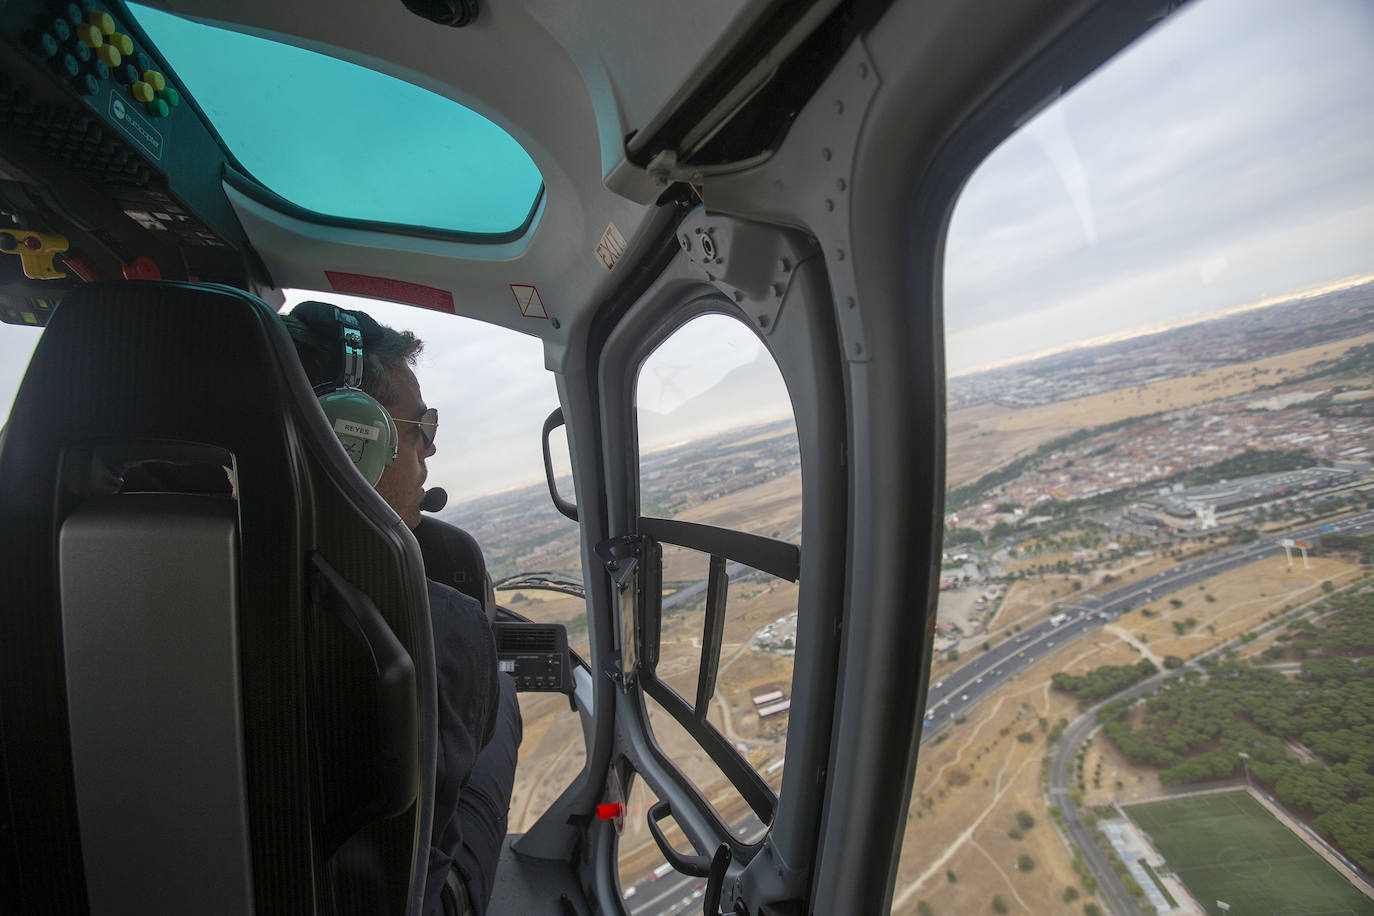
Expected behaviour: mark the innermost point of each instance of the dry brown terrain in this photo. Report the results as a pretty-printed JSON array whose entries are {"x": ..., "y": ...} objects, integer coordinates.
[
  {"x": 970, "y": 786},
  {"x": 976, "y": 441},
  {"x": 983, "y": 438},
  {"x": 772, "y": 509},
  {"x": 1244, "y": 598}
]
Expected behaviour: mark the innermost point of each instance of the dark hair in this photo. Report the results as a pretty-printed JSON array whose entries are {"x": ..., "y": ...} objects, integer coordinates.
[{"x": 314, "y": 331}]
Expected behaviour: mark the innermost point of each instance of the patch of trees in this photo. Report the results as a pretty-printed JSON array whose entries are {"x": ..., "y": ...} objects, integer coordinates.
[
  {"x": 1105, "y": 681},
  {"x": 1347, "y": 631},
  {"x": 1352, "y": 543},
  {"x": 955, "y": 536},
  {"x": 1356, "y": 359},
  {"x": 1246, "y": 464},
  {"x": 1194, "y": 730}
]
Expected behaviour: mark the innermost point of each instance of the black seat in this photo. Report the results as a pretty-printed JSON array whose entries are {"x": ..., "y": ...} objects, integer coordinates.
[
  {"x": 453, "y": 557},
  {"x": 216, "y": 662}
]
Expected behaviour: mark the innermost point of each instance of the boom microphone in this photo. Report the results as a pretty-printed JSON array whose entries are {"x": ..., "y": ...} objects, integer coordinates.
[{"x": 435, "y": 499}]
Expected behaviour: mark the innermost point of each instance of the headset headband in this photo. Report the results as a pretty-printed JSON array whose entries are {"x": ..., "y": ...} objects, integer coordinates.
[
  {"x": 351, "y": 340},
  {"x": 364, "y": 427},
  {"x": 349, "y": 330}
]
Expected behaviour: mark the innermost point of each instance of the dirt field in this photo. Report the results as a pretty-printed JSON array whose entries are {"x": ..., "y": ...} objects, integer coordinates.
[
  {"x": 1117, "y": 778},
  {"x": 970, "y": 786},
  {"x": 1244, "y": 597},
  {"x": 1027, "y": 601},
  {"x": 977, "y": 440},
  {"x": 773, "y": 509}
]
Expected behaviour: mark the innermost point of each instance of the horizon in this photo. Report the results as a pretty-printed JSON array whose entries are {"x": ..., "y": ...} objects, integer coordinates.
[{"x": 1278, "y": 301}]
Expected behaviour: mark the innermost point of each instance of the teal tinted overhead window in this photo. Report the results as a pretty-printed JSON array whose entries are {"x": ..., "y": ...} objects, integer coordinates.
[{"x": 344, "y": 141}]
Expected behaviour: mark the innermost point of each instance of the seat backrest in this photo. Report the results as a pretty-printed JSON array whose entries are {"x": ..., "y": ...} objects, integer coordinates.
[
  {"x": 216, "y": 661},
  {"x": 454, "y": 558}
]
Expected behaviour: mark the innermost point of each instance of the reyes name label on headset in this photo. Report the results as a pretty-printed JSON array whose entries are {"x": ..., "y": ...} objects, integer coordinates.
[{"x": 350, "y": 428}]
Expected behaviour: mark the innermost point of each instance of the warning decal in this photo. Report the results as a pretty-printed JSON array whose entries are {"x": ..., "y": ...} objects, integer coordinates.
[
  {"x": 527, "y": 297},
  {"x": 611, "y": 246}
]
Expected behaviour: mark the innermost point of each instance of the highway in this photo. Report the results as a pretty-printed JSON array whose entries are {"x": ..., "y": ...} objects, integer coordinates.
[
  {"x": 958, "y": 692},
  {"x": 984, "y": 672}
]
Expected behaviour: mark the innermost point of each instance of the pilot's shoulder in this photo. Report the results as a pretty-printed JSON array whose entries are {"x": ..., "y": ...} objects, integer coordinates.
[
  {"x": 444, "y": 599},
  {"x": 449, "y": 607}
]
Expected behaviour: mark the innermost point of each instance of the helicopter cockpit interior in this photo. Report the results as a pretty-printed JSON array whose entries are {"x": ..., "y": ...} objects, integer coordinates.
[{"x": 595, "y": 177}]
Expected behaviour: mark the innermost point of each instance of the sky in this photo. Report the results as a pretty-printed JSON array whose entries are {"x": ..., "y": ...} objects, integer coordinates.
[{"x": 1226, "y": 157}]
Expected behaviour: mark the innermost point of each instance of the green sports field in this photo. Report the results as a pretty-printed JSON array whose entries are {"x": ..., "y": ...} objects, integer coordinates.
[{"x": 1228, "y": 847}]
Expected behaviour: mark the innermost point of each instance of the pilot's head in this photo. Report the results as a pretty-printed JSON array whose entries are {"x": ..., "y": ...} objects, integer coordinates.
[{"x": 388, "y": 376}]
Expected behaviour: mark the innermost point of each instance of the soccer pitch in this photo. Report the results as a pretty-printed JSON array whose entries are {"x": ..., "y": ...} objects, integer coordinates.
[{"x": 1228, "y": 847}]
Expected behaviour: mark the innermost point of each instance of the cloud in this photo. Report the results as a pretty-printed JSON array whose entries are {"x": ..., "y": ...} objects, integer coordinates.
[{"x": 1224, "y": 157}]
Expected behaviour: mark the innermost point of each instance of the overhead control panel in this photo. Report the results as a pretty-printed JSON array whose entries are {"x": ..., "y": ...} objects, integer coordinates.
[{"x": 103, "y": 158}]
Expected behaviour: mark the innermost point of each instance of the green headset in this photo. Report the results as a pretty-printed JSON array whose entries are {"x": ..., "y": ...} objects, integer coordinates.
[{"x": 364, "y": 427}]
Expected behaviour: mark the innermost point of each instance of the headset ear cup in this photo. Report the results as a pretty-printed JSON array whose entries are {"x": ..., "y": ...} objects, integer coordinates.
[{"x": 364, "y": 428}]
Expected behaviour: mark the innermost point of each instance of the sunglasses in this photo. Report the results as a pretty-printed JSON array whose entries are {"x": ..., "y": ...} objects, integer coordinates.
[{"x": 428, "y": 424}]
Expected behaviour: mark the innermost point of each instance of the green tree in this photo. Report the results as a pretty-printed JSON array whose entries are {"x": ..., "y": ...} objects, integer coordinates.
[
  {"x": 925, "y": 909},
  {"x": 998, "y": 904},
  {"x": 950, "y": 876},
  {"x": 1024, "y": 820},
  {"x": 1025, "y": 863},
  {"x": 1070, "y": 894}
]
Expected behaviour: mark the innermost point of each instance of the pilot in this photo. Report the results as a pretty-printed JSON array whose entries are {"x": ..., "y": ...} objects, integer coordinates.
[{"x": 479, "y": 717}]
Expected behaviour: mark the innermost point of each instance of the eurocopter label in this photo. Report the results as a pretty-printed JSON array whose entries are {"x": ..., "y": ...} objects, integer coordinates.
[
  {"x": 361, "y": 430},
  {"x": 136, "y": 126}
]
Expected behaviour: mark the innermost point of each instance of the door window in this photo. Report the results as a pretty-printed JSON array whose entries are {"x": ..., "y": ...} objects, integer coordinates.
[
  {"x": 719, "y": 460},
  {"x": 1158, "y": 310}
]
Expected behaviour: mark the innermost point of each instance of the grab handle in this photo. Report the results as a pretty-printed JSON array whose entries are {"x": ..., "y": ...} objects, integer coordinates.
[{"x": 696, "y": 866}]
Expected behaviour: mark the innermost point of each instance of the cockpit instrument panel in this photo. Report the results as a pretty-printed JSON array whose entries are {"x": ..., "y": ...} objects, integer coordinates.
[{"x": 101, "y": 148}]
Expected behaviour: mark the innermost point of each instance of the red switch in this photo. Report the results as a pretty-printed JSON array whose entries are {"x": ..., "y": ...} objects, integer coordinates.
[
  {"x": 142, "y": 268},
  {"x": 609, "y": 812},
  {"x": 81, "y": 264}
]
